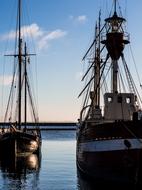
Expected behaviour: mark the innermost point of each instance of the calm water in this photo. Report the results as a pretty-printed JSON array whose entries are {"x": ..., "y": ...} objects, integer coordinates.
[{"x": 54, "y": 170}]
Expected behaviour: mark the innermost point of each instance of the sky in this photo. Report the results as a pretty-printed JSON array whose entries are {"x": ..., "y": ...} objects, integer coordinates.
[{"x": 62, "y": 30}]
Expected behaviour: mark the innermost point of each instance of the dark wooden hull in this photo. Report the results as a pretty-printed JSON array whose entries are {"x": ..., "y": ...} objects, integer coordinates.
[
  {"x": 19, "y": 143},
  {"x": 111, "y": 152}
]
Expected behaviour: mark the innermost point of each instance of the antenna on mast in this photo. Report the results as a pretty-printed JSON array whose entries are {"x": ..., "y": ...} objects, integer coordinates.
[{"x": 115, "y": 1}]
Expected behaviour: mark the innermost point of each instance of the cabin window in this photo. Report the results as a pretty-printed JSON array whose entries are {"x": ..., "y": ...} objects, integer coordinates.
[
  {"x": 109, "y": 99},
  {"x": 119, "y": 99},
  {"x": 128, "y": 100}
]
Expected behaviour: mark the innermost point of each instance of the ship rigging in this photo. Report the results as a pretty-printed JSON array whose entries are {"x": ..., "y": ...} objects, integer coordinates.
[
  {"x": 109, "y": 134},
  {"x": 15, "y": 138}
]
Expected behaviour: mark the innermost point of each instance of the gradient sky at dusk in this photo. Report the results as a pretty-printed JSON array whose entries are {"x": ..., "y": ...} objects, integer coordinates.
[{"x": 62, "y": 31}]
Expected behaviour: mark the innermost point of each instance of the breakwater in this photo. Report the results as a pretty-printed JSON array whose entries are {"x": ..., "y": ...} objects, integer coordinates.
[{"x": 47, "y": 125}]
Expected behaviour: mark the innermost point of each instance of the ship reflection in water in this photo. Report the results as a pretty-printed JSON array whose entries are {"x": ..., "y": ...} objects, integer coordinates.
[
  {"x": 87, "y": 183},
  {"x": 19, "y": 171}
]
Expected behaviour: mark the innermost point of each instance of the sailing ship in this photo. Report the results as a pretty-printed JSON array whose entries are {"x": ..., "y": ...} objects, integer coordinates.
[
  {"x": 15, "y": 137},
  {"x": 109, "y": 133}
]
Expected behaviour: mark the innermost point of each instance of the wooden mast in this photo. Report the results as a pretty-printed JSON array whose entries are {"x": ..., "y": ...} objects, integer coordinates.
[
  {"x": 19, "y": 63},
  {"x": 99, "y": 61},
  {"x": 96, "y": 99},
  {"x": 25, "y": 86}
]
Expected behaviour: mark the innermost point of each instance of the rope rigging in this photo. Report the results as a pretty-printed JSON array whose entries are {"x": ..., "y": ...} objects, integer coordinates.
[{"x": 12, "y": 107}]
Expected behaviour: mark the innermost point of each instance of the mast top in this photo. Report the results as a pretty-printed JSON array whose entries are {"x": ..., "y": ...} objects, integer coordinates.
[
  {"x": 115, "y": 1},
  {"x": 115, "y": 18}
]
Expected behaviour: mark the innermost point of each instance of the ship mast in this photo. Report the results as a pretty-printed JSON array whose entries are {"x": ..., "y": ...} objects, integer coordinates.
[
  {"x": 25, "y": 86},
  {"x": 26, "y": 56},
  {"x": 115, "y": 5},
  {"x": 22, "y": 74},
  {"x": 115, "y": 40},
  {"x": 19, "y": 63},
  {"x": 115, "y": 65},
  {"x": 96, "y": 99}
]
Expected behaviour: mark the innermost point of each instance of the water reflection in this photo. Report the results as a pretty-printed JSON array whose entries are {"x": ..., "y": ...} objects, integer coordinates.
[
  {"x": 85, "y": 183},
  {"x": 19, "y": 172}
]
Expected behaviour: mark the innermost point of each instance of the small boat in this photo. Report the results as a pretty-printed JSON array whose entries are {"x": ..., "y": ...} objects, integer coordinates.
[
  {"x": 15, "y": 137},
  {"x": 109, "y": 133}
]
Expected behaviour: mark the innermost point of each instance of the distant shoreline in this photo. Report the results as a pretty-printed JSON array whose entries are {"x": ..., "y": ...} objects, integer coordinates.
[
  {"x": 48, "y": 125},
  {"x": 44, "y": 123}
]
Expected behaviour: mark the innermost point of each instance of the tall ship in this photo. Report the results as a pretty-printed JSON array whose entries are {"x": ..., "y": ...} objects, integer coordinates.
[
  {"x": 15, "y": 137},
  {"x": 109, "y": 133}
]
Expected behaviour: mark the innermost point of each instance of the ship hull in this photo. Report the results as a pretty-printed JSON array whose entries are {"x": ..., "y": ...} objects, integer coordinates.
[
  {"x": 19, "y": 143},
  {"x": 113, "y": 159}
]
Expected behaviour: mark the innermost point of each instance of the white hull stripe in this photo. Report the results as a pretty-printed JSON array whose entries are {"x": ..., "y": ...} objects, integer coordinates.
[{"x": 109, "y": 145}]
